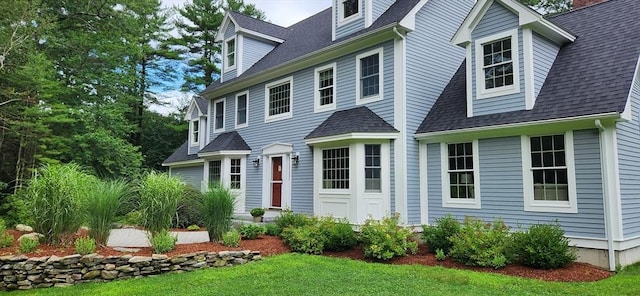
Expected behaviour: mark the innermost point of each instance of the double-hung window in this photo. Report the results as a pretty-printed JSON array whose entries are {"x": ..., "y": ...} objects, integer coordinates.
[
  {"x": 348, "y": 10},
  {"x": 369, "y": 76},
  {"x": 497, "y": 64},
  {"x": 335, "y": 168},
  {"x": 325, "y": 79},
  {"x": 242, "y": 107},
  {"x": 195, "y": 132},
  {"x": 230, "y": 54},
  {"x": 372, "y": 168},
  {"x": 278, "y": 100},
  {"x": 460, "y": 175},
  {"x": 235, "y": 173},
  {"x": 218, "y": 115},
  {"x": 215, "y": 171}
]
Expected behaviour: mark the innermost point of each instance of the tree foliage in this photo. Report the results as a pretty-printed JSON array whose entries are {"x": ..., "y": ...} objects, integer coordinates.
[{"x": 549, "y": 6}]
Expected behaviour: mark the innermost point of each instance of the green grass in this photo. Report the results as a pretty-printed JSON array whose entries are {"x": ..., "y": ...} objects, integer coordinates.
[{"x": 295, "y": 274}]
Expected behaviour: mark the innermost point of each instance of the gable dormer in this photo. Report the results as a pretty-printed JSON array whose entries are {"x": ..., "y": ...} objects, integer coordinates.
[
  {"x": 510, "y": 50},
  {"x": 245, "y": 40},
  {"x": 197, "y": 117},
  {"x": 350, "y": 16}
]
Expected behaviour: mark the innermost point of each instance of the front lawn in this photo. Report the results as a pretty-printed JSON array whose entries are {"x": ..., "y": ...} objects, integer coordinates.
[{"x": 295, "y": 274}]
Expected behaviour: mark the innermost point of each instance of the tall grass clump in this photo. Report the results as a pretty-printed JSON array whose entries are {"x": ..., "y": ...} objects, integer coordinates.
[
  {"x": 158, "y": 197},
  {"x": 102, "y": 208},
  {"x": 217, "y": 211},
  {"x": 55, "y": 196}
]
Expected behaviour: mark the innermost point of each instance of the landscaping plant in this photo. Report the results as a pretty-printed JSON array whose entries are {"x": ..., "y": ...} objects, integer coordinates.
[
  {"x": 251, "y": 231},
  {"x": 307, "y": 239},
  {"x": 437, "y": 237},
  {"x": 440, "y": 255},
  {"x": 85, "y": 245},
  {"x": 543, "y": 246},
  {"x": 6, "y": 239},
  {"x": 163, "y": 242},
  {"x": 158, "y": 196},
  {"x": 231, "y": 239},
  {"x": 193, "y": 227},
  {"x": 28, "y": 245},
  {"x": 102, "y": 208},
  {"x": 386, "y": 239},
  {"x": 482, "y": 244},
  {"x": 288, "y": 218},
  {"x": 272, "y": 229},
  {"x": 189, "y": 206},
  {"x": 339, "y": 234},
  {"x": 55, "y": 196},
  {"x": 217, "y": 211}
]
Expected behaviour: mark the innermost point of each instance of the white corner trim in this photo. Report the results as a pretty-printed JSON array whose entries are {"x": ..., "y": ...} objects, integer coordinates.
[
  {"x": 611, "y": 180},
  {"x": 424, "y": 183},
  {"x": 447, "y": 201},
  {"x": 481, "y": 92},
  {"x": 409, "y": 21},
  {"x": 627, "y": 114},
  {"x": 400, "y": 123},
  {"x": 380, "y": 96},
  {"x": 527, "y": 49},
  {"x": 469, "y": 85},
  {"x": 225, "y": 61},
  {"x": 217, "y": 129},
  {"x": 246, "y": 94},
  {"x": 342, "y": 20},
  {"x": 239, "y": 54},
  {"x": 368, "y": 13},
  {"x": 334, "y": 21},
  {"x": 272, "y": 118},
  {"x": 531, "y": 205},
  {"x": 316, "y": 88},
  {"x": 208, "y": 119}
]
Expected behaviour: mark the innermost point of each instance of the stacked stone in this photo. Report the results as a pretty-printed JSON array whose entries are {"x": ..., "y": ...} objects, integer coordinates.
[{"x": 22, "y": 273}]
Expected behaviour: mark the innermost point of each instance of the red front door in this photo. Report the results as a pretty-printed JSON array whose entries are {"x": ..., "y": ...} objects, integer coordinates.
[{"x": 276, "y": 182}]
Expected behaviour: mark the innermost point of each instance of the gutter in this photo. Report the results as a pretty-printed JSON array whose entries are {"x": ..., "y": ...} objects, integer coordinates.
[{"x": 608, "y": 225}]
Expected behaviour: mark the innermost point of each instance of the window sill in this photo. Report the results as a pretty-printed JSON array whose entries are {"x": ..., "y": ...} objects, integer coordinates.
[
  {"x": 349, "y": 19},
  {"x": 460, "y": 204},
  {"x": 239, "y": 126},
  {"x": 551, "y": 207},
  {"x": 229, "y": 69},
  {"x": 370, "y": 99},
  {"x": 345, "y": 192},
  {"x": 497, "y": 92},
  {"x": 324, "y": 108},
  {"x": 277, "y": 117}
]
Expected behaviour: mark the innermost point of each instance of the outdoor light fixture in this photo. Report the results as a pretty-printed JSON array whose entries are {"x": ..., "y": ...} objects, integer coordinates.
[
  {"x": 256, "y": 162},
  {"x": 295, "y": 157}
]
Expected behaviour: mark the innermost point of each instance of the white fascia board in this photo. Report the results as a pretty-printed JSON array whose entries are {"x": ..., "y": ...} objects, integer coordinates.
[
  {"x": 352, "y": 136},
  {"x": 225, "y": 22},
  {"x": 192, "y": 105},
  {"x": 260, "y": 35},
  {"x": 409, "y": 20},
  {"x": 627, "y": 115},
  {"x": 183, "y": 163},
  {"x": 224, "y": 152}
]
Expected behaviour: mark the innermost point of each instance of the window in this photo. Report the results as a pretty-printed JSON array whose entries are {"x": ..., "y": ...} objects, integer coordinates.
[
  {"x": 549, "y": 173},
  {"x": 460, "y": 175},
  {"x": 369, "y": 77},
  {"x": 242, "y": 110},
  {"x": 372, "y": 168},
  {"x": 230, "y": 54},
  {"x": 335, "y": 168},
  {"x": 219, "y": 115},
  {"x": 325, "y": 88},
  {"x": 195, "y": 131},
  {"x": 497, "y": 65},
  {"x": 278, "y": 100},
  {"x": 349, "y": 10},
  {"x": 215, "y": 171},
  {"x": 235, "y": 173}
]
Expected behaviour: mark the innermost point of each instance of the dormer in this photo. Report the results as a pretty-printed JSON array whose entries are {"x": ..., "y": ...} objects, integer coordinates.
[
  {"x": 510, "y": 50},
  {"x": 197, "y": 118},
  {"x": 350, "y": 16},
  {"x": 244, "y": 41}
]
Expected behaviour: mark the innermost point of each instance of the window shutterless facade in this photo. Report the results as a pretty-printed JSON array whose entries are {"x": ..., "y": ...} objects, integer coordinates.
[
  {"x": 242, "y": 110},
  {"x": 325, "y": 79},
  {"x": 372, "y": 168},
  {"x": 369, "y": 76},
  {"x": 219, "y": 115},
  {"x": 230, "y": 47},
  {"x": 235, "y": 173},
  {"x": 497, "y": 64},
  {"x": 195, "y": 131},
  {"x": 348, "y": 11},
  {"x": 335, "y": 168},
  {"x": 215, "y": 171},
  {"x": 278, "y": 100},
  {"x": 460, "y": 175}
]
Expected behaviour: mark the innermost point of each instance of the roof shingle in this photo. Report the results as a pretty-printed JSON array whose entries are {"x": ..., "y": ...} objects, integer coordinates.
[
  {"x": 181, "y": 154},
  {"x": 229, "y": 141},
  {"x": 356, "y": 120}
]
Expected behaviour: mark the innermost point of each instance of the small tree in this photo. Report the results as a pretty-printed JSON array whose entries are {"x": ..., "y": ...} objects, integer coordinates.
[{"x": 217, "y": 211}]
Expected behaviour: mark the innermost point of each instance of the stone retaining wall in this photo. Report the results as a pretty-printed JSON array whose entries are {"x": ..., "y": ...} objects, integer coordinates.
[{"x": 21, "y": 272}]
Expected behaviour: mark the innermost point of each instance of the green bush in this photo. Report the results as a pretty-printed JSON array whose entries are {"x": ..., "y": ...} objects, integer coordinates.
[
  {"x": 189, "y": 209},
  {"x": 543, "y": 246},
  {"x": 231, "y": 239},
  {"x": 158, "y": 196},
  {"x": 28, "y": 245},
  {"x": 482, "y": 244},
  {"x": 307, "y": 239},
  {"x": 440, "y": 255},
  {"x": 15, "y": 208},
  {"x": 193, "y": 227},
  {"x": 436, "y": 237},
  {"x": 85, "y": 245},
  {"x": 217, "y": 210},
  {"x": 102, "y": 208},
  {"x": 386, "y": 239},
  {"x": 56, "y": 196},
  {"x": 257, "y": 212},
  {"x": 339, "y": 234},
  {"x": 132, "y": 218},
  {"x": 272, "y": 229},
  {"x": 290, "y": 219},
  {"x": 6, "y": 239},
  {"x": 251, "y": 231},
  {"x": 163, "y": 242}
]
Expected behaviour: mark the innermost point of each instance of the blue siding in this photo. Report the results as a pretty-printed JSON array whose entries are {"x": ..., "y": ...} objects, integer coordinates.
[
  {"x": 351, "y": 27},
  {"x": 231, "y": 30},
  {"x": 379, "y": 7},
  {"x": 629, "y": 166},
  {"x": 228, "y": 75},
  {"x": 427, "y": 75},
  {"x": 501, "y": 186},
  {"x": 544, "y": 54},
  {"x": 192, "y": 176},
  {"x": 253, "y": 50},
  {"x": 498, "y": 19}
]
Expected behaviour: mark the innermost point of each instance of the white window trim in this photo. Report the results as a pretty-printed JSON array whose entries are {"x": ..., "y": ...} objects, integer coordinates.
[
  {"x": 447, "y": 201},
  {"x": 531, "y": 205},
  {"x": 224, "y": 123},
  {"x": 245, "y": 93},
  {"x": 228, "y": 68},
  {"x": 282, "y": 116},
  {"x": 322, "y": 108},
  {"x": 341, "y": 19},
  {"x": 380, "y": 95},
  {"x": 194, "y": 140},
  {"x": 483, "y": 93},
  {"x": 346, "y": 191}
]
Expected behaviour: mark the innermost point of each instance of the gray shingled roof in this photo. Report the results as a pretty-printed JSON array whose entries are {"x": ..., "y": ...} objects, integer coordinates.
[
  {"x": 181, "y": 154},
  {"x": 229, "y": 141},
  {"x": 314, "y": 34},
  {"x": 592, "y": 75},
  {"x": 356, "y": 120},
  {"x": 202, "y": 104},
  {"x": 259, "y": 26}
]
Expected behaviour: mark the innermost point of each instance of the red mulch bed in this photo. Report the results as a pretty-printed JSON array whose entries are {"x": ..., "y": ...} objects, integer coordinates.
[{"x": 269, "y": 245}]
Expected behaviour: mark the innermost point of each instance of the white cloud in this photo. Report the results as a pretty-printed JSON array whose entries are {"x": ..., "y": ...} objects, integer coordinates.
[{"x": 170, "y": 101}]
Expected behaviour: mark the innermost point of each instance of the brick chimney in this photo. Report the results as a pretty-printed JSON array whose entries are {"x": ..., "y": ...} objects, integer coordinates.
[{"x": 584, "y": 3}]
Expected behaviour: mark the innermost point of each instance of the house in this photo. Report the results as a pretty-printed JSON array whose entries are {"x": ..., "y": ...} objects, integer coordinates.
[{"x": 482, "y": 108}]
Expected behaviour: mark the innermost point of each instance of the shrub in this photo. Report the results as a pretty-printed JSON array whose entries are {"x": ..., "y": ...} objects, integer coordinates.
[
  {"x": 386, "y": 239},
  {"x": 440, "y": 255},
  {"x": 231, "y": 239},
  {"x": 102, "y": 208},
  {"x": 436, "y": 237},
  {"x": 193, "y": 227},
  {"x": 28, "y": 245},
  {"x": 272, "y": 229},
  {"x": 55, "y": 196},
  {"x": 15, "y": 208},
  {"x": 189, "y": 209},
  {"x": 251, "y": 231},
  {"x": 290, "y": 219},
  {"x": 217, "y": 210},
  {"x": 339, "y": 234},
  {"x": 6, "y": 239},
  {"x": 482, "y": 244},
  {"x": 543, "y": 246},
  {"x": 85, "y": 245},
  {"x": 163, "y": 241},
  {"x": 132, "y": 218},
  {"x": 257, "y": 212},
  {"x": 158, "y": 196},
  {"x": 307, "y": 239}
]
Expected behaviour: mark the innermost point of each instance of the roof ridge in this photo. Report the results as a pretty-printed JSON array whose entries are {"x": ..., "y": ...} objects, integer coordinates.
[{"x": 257, "y": 19}]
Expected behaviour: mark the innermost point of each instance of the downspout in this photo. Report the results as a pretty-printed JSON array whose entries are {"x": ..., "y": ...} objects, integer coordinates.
[
  {"x": 607, "y": 204},
  {"x": 395, "y": 30}
]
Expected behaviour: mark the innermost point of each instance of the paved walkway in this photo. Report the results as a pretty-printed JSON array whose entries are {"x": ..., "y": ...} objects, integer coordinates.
[{"x": 136, "y": 238}]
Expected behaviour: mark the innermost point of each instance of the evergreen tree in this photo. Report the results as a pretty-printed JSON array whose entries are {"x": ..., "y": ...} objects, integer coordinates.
[{"x": 550, "y": 6}]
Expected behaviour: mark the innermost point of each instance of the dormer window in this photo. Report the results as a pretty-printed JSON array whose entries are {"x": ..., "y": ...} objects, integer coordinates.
[
  {"x": 230, "y": 54},
  {"x": 348, "y": 10},
  {"x": 195, "y": 132},
  {"x": 497, "y": 65}
]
